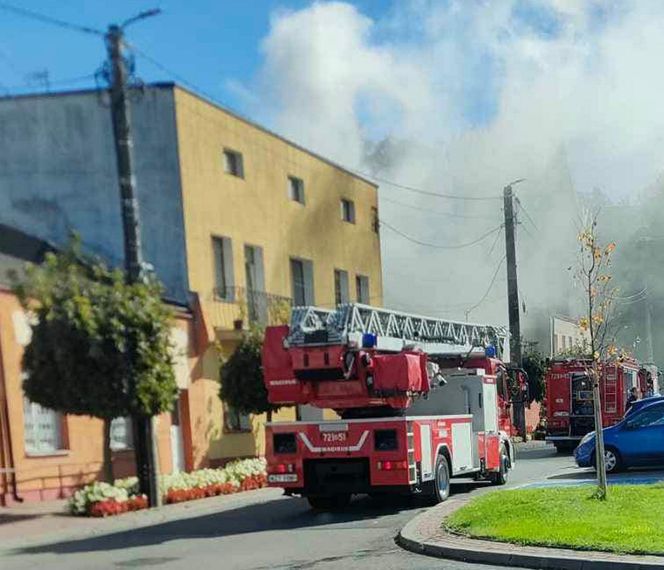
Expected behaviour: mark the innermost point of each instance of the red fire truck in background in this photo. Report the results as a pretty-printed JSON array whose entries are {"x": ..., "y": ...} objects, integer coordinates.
[
  {"x": 418, "y": 401},
  {"x": 569, "y": 396}
]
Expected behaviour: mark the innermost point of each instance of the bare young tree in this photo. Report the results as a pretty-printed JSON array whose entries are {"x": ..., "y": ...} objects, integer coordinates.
[{"x": 593, "y": 273}]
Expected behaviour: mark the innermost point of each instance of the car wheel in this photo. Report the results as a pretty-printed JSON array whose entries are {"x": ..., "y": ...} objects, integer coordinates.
[
  {"x": 441, "y": 480},
  {"x": 612, "y": 460}
]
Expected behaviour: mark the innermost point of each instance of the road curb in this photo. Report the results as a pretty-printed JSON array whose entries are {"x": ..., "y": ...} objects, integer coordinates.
[{"x": 424, "y": 535}]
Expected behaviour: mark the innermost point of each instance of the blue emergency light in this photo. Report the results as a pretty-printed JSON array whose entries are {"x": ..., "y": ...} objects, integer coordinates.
[
  {"x": 368, "y": 340},
  {"x": 490, "y": 351}
]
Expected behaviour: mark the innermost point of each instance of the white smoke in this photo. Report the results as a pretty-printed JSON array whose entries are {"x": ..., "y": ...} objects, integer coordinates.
[{"x": 462, "y": 97}]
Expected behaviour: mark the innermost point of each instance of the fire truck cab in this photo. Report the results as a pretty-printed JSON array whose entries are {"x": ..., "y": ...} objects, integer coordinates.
[{"x": 411, "y": 415}]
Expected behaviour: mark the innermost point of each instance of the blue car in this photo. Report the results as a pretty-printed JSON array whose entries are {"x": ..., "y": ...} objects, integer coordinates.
[
  {"x": 636, "y": 406},
  {"x": 636, "y": 441}
]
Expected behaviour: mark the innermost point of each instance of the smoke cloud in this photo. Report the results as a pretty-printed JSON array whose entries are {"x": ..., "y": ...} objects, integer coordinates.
[{"x": 462, "y": 97}]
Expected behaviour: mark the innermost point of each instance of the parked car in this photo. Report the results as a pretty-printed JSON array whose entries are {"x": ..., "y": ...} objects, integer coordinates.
[
  {"x": 636, "y": 406},
  {"x": 636, "y": 441}
]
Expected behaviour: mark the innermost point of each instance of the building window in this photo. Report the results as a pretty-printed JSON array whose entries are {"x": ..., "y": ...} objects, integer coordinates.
[
  {"x": 235, "y": 421},
  {"x": 302, "y": 282},
  {"x": 341, "y": 286},
  {"x": 222, "y": 249},
  {"x": 255, "y": 284},
  {"x": 296, "y": 189},
  {"x": 375, "y": 223},
  {"x": 122, "y": 436},
  {"x": 42, "y": 428},
  {"x": 347, "y": 211},
  {"x": 233, "y": 163},
  {"x": 362, "y": 289}
]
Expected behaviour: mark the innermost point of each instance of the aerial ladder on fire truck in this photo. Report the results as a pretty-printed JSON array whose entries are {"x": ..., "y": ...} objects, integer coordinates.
[{"x": 392, "y": 330}]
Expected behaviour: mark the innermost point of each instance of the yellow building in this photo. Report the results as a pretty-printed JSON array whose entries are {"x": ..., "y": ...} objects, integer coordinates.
[
  {"x": 242, "y": 218},
  {"x": 267, "y": 223}
]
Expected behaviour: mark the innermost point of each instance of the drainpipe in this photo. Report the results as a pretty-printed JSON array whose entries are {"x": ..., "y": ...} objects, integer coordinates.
[{"x": 7, "y": 451}]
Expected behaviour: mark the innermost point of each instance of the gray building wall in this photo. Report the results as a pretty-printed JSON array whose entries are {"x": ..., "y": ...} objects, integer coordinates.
[{"x": 58, "y": 174}]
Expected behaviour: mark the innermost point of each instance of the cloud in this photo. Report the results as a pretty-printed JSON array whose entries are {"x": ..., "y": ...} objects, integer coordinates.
[{"x": 463, "y": 96}]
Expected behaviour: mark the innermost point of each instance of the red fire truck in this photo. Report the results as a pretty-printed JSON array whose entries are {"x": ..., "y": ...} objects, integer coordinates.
[
  {"x": 418, "y": 401},
  {"x": 569, "y": 396}
]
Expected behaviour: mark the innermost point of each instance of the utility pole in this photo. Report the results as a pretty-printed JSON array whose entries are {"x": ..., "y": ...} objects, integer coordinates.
[
  {"x": 144, "y": 436},
  {"x": 513, "y": 302}
]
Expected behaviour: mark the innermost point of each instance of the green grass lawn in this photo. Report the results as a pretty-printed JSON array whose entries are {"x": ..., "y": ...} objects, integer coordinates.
[{"x": 631, "y": 520}]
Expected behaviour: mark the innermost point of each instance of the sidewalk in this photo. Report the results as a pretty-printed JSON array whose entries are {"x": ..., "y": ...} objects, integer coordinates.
[
  {"x": 424, "y": 535},
  {"x": 29, "y": 524}
]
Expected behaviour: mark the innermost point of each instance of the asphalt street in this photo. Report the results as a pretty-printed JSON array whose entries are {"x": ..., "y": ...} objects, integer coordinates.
[{"x": 270, "y": 531}]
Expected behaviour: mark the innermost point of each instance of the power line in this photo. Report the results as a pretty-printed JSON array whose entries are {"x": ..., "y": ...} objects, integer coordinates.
[
  {"x": 430, "y": 211},
  {"x": 493, "y": 280},
  {"x": 424, "y": 192},
  {"x": 629, "y": 297},
  {"x": 438, "y": 246},
  {"x": 31, "y": 14},
  {"x": 65, "y": 81},
  {"x": 176, "y": 75},
  {"x": 518, "y": 202}
]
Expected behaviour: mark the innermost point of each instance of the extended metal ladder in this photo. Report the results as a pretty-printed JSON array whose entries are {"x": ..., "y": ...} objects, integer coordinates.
[{"x": 394, "y": 330}]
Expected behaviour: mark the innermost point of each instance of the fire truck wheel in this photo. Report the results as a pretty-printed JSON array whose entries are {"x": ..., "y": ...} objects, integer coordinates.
[
  {"x": 442, "y": 480},
  {"x": 329, "y": 502},
  {"x": 500, "y": 477}
]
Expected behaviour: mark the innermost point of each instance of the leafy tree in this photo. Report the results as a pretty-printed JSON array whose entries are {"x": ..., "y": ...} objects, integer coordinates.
[
  {"x": 593, "y": 273},
  {"x": 99, "y": 347},
  {"x": 241, "y": 378},
  {"x": 535, "y": 366}
]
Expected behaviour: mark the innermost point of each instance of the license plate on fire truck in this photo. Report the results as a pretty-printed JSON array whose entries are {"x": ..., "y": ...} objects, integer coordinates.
[
  {"x": 334, "y": 433},
  {"x": 285, "y": 478}
]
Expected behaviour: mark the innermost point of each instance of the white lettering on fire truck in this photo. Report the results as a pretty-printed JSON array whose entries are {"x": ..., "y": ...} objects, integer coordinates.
[
  {"x": 334, "y": 449},
  {"x": 283, "y": 382},
  {"x": 334, "y": 437}
]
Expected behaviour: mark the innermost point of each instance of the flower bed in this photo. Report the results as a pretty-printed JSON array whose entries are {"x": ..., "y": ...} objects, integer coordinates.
[{"x": 103, "y": 499}]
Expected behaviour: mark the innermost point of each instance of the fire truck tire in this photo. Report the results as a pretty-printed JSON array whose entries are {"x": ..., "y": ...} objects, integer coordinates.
[
  {"x": 500, "y": 477},
  {"x": 441, "y": 481},
  {"x": 329, "y": 502}
]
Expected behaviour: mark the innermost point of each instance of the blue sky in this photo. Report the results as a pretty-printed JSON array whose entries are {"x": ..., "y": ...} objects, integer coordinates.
[{"x": 209, "y": 42}]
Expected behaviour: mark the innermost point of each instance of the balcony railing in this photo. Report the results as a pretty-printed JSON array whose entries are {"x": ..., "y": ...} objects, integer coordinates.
[{"x": 238, "y": 307}]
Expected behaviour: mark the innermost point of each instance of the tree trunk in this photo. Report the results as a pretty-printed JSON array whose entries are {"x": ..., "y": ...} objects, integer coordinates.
[
  {"x": 600, "y": 463},
  {"x": 155, "y": 454},
  {"x": 108, "y": 455}
]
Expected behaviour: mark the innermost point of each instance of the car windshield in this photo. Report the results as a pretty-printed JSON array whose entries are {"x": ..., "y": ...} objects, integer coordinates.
[{"x": 652, "y": 416}]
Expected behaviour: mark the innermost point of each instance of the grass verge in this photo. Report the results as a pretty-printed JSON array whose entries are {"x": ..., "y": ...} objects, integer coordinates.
[{"x": 631, "y": 520}]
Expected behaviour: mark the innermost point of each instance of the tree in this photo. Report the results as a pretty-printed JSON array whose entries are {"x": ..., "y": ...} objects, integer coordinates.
[
  {"x": 535, "y": 366},
  {"x": 89, "y": 330},
  {"x": 241, "y": 378},
  {"x": 599, "y": 293}
]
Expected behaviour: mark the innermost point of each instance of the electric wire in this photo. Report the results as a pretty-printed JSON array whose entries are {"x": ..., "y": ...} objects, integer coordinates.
[
  {"x": 520, "y": 205},
  {"x": 424, "y": 192},
  {"x": 486, "y": 294},
  {"x": 440, "y": 246},
  {"x": 31, "y": 14},
  {"x": 430, "y": 211},
  {"x": 54, "y": 82}
]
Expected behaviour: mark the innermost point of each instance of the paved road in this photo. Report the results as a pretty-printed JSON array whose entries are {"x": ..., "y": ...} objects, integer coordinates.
[{"x": 271, "y": 532}]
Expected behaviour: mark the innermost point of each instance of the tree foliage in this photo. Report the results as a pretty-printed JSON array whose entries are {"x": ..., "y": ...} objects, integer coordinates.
[
  {"x": 534, "y": 364},
  {"x": 242, "y": 386},
  {"x": 89, "y": 329}
]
